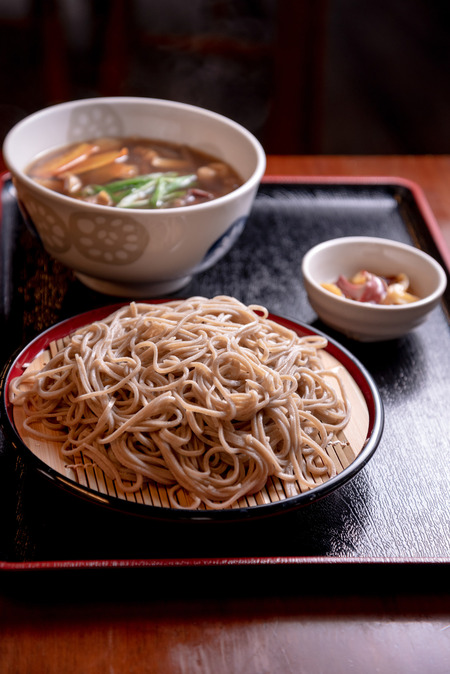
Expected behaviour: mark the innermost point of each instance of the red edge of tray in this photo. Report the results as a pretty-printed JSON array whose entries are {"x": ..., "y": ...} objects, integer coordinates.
[
  {"x": 417, "y": 192},
  {"x": 222, "y": 562},
  {"x": 231, "y": 562}
]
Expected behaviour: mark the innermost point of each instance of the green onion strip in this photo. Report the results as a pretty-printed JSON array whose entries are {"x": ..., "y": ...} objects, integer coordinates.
[{"x": 153, "y": 190}]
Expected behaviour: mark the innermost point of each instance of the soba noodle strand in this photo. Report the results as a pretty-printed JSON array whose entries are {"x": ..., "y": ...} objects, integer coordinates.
[{"x": 203, "y": 395}]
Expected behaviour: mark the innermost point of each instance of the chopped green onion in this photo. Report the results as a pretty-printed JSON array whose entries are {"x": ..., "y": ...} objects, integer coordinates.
[{"x": 153, "y": 190}]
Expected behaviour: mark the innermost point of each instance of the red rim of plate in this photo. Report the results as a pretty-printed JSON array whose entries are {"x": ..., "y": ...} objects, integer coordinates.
[{"x": 16, "y": 363}]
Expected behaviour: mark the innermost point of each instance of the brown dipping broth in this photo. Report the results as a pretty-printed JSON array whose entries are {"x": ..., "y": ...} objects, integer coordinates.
[{"x": 134, "y": 173}]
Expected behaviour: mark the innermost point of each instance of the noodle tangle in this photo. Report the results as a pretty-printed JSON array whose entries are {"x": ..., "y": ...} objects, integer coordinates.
[{"x": 208, "y": 397}]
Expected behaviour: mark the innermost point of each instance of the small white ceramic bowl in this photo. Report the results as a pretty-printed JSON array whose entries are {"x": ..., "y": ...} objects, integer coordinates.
[
  {"x": 134, "y": 252},
  {"x": 359, "y": 320}
]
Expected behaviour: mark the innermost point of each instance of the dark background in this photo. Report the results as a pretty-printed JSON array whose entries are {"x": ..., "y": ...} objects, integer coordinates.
[{"x": 306, "y": 76}]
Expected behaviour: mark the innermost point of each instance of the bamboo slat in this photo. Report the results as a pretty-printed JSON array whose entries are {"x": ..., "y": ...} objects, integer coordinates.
[{"x": 342, "y": 449}]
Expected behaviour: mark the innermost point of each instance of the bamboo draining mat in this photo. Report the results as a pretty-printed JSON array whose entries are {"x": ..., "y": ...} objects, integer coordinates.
[{"x": 342, "y": 449}]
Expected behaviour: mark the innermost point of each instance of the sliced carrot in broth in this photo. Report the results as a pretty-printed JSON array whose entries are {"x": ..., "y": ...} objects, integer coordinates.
[
  {"x": 113, "y": 171},
  {"x": 96, "y": 161},
  {"x": 56, "y": 165}
]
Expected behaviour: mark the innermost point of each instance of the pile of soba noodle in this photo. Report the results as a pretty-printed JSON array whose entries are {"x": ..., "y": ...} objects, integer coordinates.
[{"x": 204, "y": 396}]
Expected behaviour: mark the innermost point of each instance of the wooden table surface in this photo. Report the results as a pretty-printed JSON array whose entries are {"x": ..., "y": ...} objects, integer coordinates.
[{"x": 361, "y": 620}]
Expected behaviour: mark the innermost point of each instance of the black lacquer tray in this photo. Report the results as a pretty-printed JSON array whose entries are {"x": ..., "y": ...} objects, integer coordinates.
[{"x": 395, "y": 510}]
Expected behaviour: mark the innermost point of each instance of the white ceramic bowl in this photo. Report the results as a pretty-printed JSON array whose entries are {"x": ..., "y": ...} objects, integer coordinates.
[
  {"x": 371, "y": 322},
  {"x": 134, "y": 252}
]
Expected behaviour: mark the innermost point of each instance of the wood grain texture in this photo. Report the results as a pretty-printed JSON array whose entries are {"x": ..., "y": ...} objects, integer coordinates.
[{"x": 266, "y": 634}]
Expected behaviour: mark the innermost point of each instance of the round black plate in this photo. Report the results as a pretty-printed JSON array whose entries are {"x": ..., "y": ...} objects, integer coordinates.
[{"x": 15, "y": 365}]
